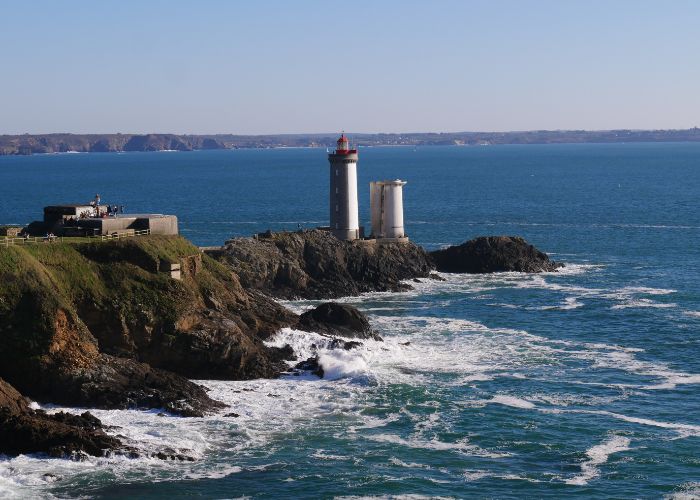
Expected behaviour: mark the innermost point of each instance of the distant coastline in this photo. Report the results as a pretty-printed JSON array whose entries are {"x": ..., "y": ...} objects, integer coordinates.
[{"x": 28, "y": 144}]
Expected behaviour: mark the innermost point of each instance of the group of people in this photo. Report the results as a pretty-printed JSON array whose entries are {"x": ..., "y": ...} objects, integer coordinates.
[{"x": 112, "y": 210}]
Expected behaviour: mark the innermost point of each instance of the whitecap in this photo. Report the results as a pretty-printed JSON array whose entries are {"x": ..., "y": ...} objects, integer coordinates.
[
  {"x": 339, "y": 364},
  {"x": 461, "y": 446},
  {"x": 410, "y": 465},
  {"x": 686, "y": 491},
  {"x": 598, "y": 455},
  {"x": 513, "y": 401}
]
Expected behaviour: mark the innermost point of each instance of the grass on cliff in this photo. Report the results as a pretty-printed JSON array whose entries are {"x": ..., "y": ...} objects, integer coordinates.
[{"x": 117, "y": 278}]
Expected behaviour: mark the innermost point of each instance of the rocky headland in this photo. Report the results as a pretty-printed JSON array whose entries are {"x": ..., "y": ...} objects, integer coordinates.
[
  {"x": 99, "y": 325},
  {"x": 313, "y": 264}
]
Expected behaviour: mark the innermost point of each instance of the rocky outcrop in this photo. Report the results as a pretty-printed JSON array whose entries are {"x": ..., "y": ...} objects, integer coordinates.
[
  {"x": 316, "y": 265},
  {"x": 98, "y": 325},
  {"x": 489, "y": 254},
  {"x": 24, "y": 430},
  {"x": 337, "y": 320}
]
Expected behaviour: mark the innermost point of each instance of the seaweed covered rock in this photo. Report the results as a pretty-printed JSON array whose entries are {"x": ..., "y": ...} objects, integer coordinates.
[
  {"x": 489, "y": 254},
  {"x": 313, "y": 264},
  {"x": 337, "y": 320}
]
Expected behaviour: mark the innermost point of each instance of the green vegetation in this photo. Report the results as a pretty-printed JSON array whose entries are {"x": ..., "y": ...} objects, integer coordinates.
[{"x": 113, "y": 282}]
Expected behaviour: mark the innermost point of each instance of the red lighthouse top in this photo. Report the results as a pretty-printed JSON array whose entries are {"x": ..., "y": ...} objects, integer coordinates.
[{"x": 344, "y": 146}]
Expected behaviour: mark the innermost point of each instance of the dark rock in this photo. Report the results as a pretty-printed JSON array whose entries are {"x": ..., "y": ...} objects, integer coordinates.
[
  {"x": 316, "y": 265},
  {"x": 124, "y": 383},
  {"x": 344, "y": 344},
  {"x": 23, "y": 430},
  {"x": 232, "y": 414},
  {"x": 311, "y": 365},
  {"x": 488, "y": 254},
  {"x": 436, "y": 277},
  {"x": 170, "y": 454},
  {"x": 285, "y": 353},
  {"x": 337, "y": 320}
]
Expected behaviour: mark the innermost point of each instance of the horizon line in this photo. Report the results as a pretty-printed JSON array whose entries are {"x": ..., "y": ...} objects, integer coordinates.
[{"x": 359, "y": 133}]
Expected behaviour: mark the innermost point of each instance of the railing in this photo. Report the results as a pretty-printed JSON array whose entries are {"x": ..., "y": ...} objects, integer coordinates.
[
  {"x": 28, "y": 240},
  {"x": 122, "y": 234}
]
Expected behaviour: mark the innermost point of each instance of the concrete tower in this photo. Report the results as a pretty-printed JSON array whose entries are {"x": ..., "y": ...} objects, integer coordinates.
[
  {"x": 386, "y": 208},
  {"x": 345, "y": 223}
]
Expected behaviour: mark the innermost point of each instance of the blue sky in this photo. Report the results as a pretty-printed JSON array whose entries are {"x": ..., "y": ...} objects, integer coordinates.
[{"x": 362, "y": 66}]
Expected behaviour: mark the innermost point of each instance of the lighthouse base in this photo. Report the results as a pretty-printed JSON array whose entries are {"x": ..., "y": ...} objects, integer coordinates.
[{"x": 348, "y": 234}]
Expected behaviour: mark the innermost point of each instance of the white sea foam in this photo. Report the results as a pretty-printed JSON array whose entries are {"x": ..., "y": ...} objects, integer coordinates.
[
  {"x": 322, "y": 455},
  {"x": 339, "y": 364},
  {"x": 682, "y": 430},
  {"x": 568, "y": 304},
  {"x": 597, "y": 456},
  {"x": 638, "y": 303},
  {"x": 686, "y": 491},
  {"x": 628, "y": 362},
  {"x": 461, "y": 446},
  {"x": 513, "y": 401},
  {"x": 411, "y": 465}
]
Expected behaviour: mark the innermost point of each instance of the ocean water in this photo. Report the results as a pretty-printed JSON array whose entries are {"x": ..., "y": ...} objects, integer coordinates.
[{"x": 581, "y": 383}]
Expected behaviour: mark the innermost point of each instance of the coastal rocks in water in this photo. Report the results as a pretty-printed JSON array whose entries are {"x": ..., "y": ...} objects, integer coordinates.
[
  {"x": 337, "y": 320},
  {"x": 311, "y": 365},
  {"x": 24, "y": 430},
  {"x": 488, "y": 254},
  {"x": 313, "y": 264},
  {"x": 120, "y": 383}
]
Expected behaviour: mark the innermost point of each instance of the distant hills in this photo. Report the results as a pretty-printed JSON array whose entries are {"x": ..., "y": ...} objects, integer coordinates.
[{"x": 99, "y": 143}]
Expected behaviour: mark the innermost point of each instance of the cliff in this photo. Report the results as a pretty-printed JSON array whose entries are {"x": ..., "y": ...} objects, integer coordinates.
[
  {"x": 97, "y": 324},
  {"x": 316, "y": 265}
]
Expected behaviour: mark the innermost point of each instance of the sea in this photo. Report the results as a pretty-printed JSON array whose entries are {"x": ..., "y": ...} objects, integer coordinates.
[{"x": 580, "y": 383}]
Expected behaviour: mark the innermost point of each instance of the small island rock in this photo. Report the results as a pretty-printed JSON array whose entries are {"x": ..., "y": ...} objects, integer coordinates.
[{"x": 489, "y": 254}]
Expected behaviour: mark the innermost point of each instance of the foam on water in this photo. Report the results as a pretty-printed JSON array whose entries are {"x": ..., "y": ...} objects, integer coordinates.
[
  {"x": 686, "y": 491},
  {"x": 462, "y": 446},
  {"x": 597, "y": 456},
  {"x": 512, "y": 401}
]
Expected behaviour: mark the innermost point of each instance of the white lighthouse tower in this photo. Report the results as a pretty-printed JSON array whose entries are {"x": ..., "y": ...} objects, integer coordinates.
[{"x": 345, "y": 223}]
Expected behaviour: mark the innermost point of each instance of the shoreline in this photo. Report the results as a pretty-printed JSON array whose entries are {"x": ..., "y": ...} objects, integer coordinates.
[{"x": 374, "y": 146}]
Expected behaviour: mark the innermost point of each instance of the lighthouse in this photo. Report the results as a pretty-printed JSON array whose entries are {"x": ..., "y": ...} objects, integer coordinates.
[{"x": 344, "y": 215}]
